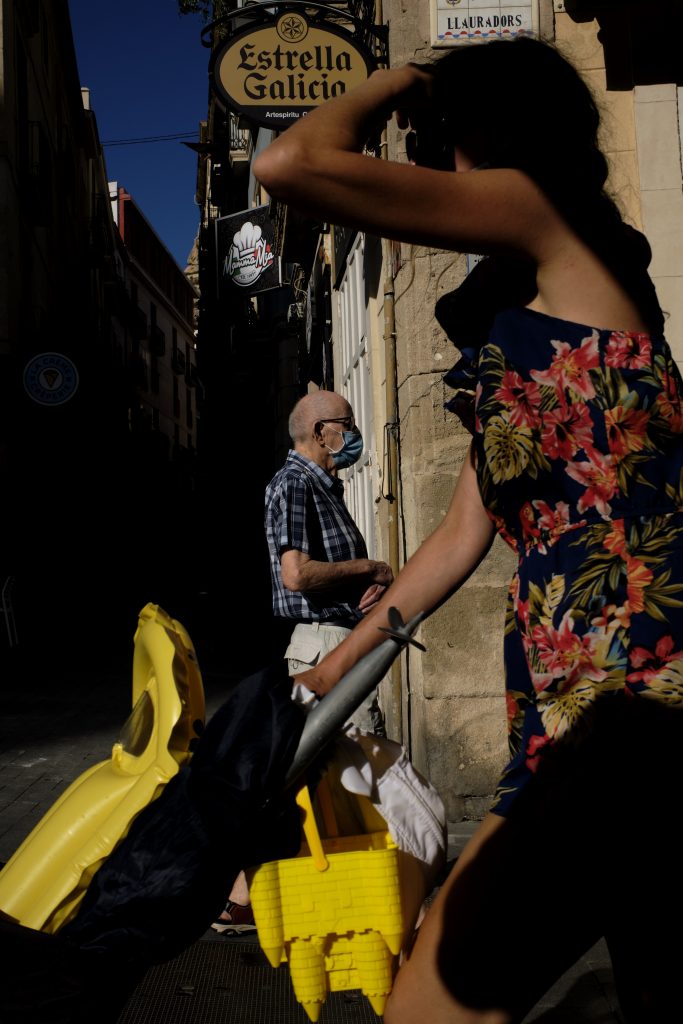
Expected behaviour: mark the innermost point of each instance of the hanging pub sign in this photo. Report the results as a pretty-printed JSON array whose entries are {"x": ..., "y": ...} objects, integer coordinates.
[
  {"x": 245, "y": 248},
  {"x": 277, "y": 70},
  {"x": 468, "y": 21}
]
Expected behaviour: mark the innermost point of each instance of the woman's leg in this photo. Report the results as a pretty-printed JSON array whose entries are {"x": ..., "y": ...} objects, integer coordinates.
[
  {"x": 592, "y": 847},
  {"x": 419, "y": 992},
  {"x": 512, "y": 917}
]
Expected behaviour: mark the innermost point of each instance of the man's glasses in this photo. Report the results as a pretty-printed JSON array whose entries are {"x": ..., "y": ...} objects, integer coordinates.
[{"x": 349, "y": 421}]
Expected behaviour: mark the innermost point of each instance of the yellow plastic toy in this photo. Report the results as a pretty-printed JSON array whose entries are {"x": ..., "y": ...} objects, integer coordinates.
[
  {"x": 43, "y": 883},
  {"x": 334, "y": 911}
]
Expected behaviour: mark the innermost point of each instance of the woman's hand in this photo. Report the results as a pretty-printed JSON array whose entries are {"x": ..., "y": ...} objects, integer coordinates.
[
  {"x": 317, "y": 679},
  {"x": 419, "y": 93},
  {"x": 403, "y": 91}
]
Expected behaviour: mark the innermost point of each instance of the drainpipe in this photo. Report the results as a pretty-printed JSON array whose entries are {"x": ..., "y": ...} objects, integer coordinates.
[
  {"x": 390, "y": 481},
  {"x": 390, "y": 485},
  {"x": 394, "y": 705}
]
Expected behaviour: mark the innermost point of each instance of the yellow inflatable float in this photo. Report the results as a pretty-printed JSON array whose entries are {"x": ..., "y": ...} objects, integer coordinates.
[{"x": 43, "y": 883}]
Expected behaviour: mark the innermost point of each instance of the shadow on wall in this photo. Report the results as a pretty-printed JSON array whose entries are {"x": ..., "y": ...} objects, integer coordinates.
[{"x": 641, "y": 42}]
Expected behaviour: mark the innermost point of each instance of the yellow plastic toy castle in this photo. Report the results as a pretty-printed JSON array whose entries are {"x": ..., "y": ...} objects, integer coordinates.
[{"x": 333, "y": 912}]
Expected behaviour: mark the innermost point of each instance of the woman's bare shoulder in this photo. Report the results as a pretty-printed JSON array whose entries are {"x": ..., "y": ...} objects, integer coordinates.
[{"x": 574, "y": 284}]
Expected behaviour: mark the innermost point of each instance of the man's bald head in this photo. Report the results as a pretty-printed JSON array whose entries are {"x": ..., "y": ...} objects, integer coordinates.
[{"x": 311, "y": 409}]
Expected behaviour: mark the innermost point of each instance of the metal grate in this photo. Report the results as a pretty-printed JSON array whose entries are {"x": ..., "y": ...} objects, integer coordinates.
[{"x": 229, "y": 982}]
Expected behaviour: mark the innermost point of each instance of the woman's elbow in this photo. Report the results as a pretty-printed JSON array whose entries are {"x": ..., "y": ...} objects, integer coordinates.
[
  {"x": 276, "y": 167},
  {"x": 263, "y": 169}
]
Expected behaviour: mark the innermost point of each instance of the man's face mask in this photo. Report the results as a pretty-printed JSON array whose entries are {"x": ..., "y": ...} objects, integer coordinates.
[{"x": 351, "y": 447}]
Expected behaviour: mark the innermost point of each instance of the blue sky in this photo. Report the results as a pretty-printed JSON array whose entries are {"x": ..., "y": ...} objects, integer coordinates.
[{"x": 146, "y": 70}]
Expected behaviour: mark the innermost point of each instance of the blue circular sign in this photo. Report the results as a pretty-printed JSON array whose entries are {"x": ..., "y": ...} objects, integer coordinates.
[{"x": 50, "y": 378}]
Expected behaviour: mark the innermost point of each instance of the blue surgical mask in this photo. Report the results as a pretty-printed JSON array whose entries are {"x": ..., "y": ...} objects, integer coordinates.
[{"x": 351, "y": 449}]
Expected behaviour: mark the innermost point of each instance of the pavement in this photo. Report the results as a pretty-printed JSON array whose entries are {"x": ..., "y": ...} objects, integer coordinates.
[{"x": 57, "y": 722}]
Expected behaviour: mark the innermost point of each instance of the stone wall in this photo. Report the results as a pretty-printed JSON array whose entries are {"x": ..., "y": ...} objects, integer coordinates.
[{"x": 454, "y": 695}]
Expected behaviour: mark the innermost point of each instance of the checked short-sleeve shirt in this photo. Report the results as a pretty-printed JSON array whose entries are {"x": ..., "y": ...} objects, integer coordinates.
[{"x": 305, "y": 511}]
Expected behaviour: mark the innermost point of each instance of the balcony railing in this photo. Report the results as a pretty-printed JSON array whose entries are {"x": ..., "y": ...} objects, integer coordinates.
[{"x": 241, "y": 142}]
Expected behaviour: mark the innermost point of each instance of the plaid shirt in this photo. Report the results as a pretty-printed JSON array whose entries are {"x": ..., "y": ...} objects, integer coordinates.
[{"x": 305, "y": 511}]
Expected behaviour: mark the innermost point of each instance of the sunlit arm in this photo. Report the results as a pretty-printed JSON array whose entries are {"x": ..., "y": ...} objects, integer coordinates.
[
  {"x": 436, "y": 570},
  {"x": 317, "y": 164}
]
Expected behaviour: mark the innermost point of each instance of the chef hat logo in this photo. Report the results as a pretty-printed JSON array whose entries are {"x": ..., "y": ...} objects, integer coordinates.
[
  {"x": 247, "y": 236},
  {"x": 250, "y": 255}
]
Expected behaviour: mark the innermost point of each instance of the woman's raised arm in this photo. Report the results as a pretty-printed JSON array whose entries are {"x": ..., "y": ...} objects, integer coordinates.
[{"x": 317, "y": 165}]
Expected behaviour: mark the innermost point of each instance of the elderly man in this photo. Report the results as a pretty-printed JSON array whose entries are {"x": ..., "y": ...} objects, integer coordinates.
[
  {"x": 323, "y": 581},
  {"x": 322, "y": 578}
]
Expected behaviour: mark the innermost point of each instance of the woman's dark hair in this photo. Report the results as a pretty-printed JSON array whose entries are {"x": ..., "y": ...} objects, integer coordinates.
[{"x": 519, "y": 103}]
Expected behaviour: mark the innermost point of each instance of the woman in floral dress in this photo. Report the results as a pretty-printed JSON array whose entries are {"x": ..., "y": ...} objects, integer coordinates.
[{"x": 577, "y": 461}]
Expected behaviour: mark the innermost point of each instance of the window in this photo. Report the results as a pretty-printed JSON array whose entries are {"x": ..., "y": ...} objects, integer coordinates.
[
  {"x": 352, "y": 373},
  {"x": 157, "y": 340},
  {"x": 176, "y": 399}
]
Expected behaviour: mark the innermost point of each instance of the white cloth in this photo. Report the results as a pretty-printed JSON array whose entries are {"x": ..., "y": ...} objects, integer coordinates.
[
  {"x": 413, "y": 810},
  {"x": 380, "y": 770}
]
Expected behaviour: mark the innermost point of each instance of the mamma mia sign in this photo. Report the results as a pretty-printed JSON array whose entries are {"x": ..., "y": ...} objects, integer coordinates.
[{"x": 246, "y": 258}]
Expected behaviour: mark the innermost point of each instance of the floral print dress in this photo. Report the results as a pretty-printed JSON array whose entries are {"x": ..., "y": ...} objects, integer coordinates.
[{"x": 578, "y": 436}]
